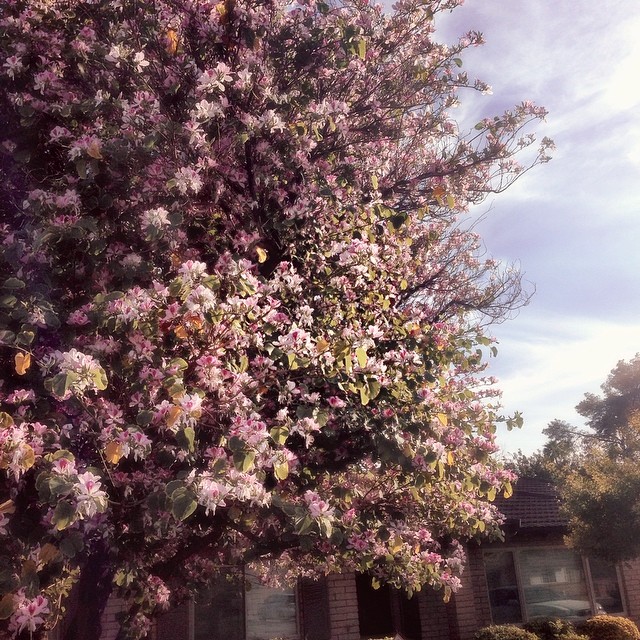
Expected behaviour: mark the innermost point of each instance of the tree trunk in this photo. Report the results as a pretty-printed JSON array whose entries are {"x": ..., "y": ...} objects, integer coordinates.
[{"x": 88, "y": 599}]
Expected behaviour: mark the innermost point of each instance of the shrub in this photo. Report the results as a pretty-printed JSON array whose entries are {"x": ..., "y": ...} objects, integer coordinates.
[
  {"x": 610, "y": 628},
  {"x": 553, "y": 629},
  {"x": 504, "y": 632}
]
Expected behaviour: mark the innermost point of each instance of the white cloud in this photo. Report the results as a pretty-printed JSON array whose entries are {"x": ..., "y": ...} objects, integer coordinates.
[{"x": 546, "y": 364}]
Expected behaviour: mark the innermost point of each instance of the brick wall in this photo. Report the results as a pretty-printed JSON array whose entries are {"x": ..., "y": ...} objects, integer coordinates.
[
  {"x": 343, "y": 607},
  {"x": 434, "y": 618},
  {"x": 110, "y": 624},
  {"x": 631, "y": 588}
]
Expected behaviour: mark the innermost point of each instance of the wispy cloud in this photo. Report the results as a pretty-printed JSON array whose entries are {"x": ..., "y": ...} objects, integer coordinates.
[{"x": 574, "y": 225}]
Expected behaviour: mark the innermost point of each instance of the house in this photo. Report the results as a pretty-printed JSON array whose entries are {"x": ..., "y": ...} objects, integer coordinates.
[{"x": 529, "y": 575}]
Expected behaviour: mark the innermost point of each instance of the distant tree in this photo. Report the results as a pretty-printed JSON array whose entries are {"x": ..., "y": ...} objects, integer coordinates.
[
  {"x": 610, "y": 415},
  {"x": 561, "y": 453},
  {"x": 601, "y": 495},
  {"x": 240, "y": 316},
  {"x": 531, "y": 465}
]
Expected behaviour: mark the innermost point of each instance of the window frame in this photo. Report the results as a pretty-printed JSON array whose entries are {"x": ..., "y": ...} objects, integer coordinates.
[{"x": 586, "y": 569}]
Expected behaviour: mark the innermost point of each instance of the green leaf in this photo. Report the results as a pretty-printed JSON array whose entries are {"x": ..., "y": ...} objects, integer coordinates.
[
  {"x": 81, "y": 168},
  {"x": 364, "y": 394},
  {"x": 173, "y": 486},
  {"x": 304, "y": 524},
  {"x": 13, "y": 284},
  {"x": 64, "y": 515},
  {"x": 243, "y": 460},
  {"x": 7, "y": 606},
  {"x": 184, "y": 504},
  {"x": 144, "y": 418},
  {"x": 8, "y": 301},
  {"x": 179, "y": 363},
  {"x": 60, "y": 384},
  {"x": 25, "y": 338},
  {"x": 59, "y": 485},
  {"x": 279, "y": 434},
  {"x": 374, "y": 388},
  {"x": 186, "y": 439},
  {"x": 7, "y": 337}
]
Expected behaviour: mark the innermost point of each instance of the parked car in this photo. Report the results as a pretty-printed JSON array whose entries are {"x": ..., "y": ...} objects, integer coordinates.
[{"x": 541, "y": 602}]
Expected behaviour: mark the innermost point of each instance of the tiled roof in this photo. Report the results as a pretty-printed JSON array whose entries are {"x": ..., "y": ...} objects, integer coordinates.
[{"x": 534, "y": 504}]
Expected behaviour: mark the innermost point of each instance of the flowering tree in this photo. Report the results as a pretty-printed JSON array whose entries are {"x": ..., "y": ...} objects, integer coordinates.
[{"x": 239, "y": 318}]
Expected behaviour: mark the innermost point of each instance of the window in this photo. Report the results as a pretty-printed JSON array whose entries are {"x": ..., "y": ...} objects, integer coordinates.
[
  {"x": 270, "y": 613},
  {"x": 549, "y": 582},
  {"x": 235, "y": 607},
  {"x": 386, "y": 611}
]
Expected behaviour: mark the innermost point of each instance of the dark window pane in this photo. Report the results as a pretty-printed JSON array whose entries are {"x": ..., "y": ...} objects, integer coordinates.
[
  {"x": 374, "y": 609},
  {"x": 174, "y": 624},
  {"x": 219, "y": 611},
  {"x": 315, "y": 609},
  {"x": 606, "y": 591},
  {"x": 503, "y": 587},
  {"x": 409, "y": 611}
]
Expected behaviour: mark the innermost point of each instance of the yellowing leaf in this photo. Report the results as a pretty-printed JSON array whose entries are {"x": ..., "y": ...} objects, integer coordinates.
[
  {"x": 321, "y": 345},
  {"x": 262, "y": 255},
  {"x": 180, "y": 331},
  {"x": 28, "y": 457},
  {"x": 172, "y": 41},
  {"x": 362, "y": 48},
  {"x": 364, "y": 394},
  {"x": 508, "y": 490},
  {"x": 5, "y": 420},
  {"x": 194, "y": 320},
  {"x": 93, "y": 150},
  {"x": 361, "y": 355},
  {"x": 7, "y": 507},
  {"x": 374, "y": 181},
  {"x": 403, "y": 285},
  {"x": 172, "y": 416},
  {"x": 438, "y": 194},
  {"x": 8, "y": 604},
  {"x": 48, "y": 552},
  {"x": 442, "y": 417},
  {"x": 396, "y": 545},
  {"x": 113, "y": 452},
  {"x": 451, "y": 201},
  {"x": 23, "y": 362},
  {"x": 281, "y": 470},
  {"x": 450, "y": 457}
]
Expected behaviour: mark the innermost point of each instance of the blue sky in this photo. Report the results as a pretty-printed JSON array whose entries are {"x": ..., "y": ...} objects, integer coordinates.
[{"x": 573, "y": 224}]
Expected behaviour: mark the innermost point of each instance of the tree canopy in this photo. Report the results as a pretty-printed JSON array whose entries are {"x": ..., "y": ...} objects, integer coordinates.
[
  {"x": 240, "y": 319},
  {"x": 596, "y": 471},
  {"x": 601, "y": 495}
]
